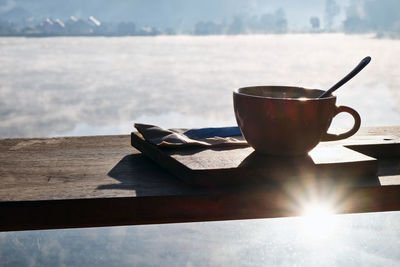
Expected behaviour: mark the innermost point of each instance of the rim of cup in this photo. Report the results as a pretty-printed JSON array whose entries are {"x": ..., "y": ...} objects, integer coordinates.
[{"x": 236, "y": 91}]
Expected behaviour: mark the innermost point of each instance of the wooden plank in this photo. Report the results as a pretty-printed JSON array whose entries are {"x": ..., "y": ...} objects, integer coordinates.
[
  {"x": 73, "y": 213},
  {"x": 79, "y": 167},
  {"x": 222, "y": 166},
  {"x": 101, "y": 180}
]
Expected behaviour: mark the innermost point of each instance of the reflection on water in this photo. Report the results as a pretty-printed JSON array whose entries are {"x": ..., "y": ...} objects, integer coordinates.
[
  {"x": 357, "y": 239},
  {"x": 81, "y": 86}
]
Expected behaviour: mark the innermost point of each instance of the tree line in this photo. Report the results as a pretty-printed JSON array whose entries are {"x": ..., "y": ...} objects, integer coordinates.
[{"x": 361, "y": 16}]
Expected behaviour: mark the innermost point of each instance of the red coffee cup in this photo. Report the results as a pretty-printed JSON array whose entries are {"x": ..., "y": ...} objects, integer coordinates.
[{"x": 286, "y": 120}]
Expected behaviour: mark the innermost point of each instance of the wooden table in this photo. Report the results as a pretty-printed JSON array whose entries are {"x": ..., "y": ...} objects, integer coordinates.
[{"x": 48, "y": 183}]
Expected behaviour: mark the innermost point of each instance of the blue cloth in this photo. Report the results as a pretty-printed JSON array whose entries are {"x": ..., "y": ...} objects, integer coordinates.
[{"x": 213, "y": 132}]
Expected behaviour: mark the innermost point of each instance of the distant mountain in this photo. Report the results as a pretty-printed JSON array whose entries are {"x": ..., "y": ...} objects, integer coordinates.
[{"x": 178, "y": 14}]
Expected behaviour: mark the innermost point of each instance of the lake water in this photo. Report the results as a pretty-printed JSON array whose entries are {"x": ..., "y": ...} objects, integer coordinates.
[
  {"x": 87, "y": 86},
  {"x": 99, "y": 85},
  {"x": 338, "y": 240}
]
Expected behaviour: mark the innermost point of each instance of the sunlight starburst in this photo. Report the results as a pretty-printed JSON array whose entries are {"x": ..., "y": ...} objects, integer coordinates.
[{"x": 318, "y": 220}]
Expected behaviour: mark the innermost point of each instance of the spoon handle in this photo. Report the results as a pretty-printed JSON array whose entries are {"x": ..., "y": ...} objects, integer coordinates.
[{"x": 353, "y": 73}]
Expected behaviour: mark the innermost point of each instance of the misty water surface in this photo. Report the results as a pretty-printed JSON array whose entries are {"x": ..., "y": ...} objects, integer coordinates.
[{"x": 99, "y": 85}]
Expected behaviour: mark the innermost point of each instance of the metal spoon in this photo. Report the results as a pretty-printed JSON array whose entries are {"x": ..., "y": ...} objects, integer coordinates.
[{"x": 353, "y": 73}]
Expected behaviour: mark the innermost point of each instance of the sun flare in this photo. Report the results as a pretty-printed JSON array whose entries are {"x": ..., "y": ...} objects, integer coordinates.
[{"x": 318, "y": 220}]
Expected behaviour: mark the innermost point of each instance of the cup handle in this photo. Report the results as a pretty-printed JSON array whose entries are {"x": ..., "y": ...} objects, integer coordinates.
[{"x": 356, "y": 126}]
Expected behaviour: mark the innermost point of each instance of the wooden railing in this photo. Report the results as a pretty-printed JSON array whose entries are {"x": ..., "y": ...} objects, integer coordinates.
[{"x": 102, "y": 181}]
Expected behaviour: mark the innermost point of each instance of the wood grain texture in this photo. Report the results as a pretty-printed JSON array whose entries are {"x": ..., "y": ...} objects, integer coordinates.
[
  {"x": 226, "y": 166},
  {"x": 78, "y": 167},
  {"x": 101, "y": 180}
]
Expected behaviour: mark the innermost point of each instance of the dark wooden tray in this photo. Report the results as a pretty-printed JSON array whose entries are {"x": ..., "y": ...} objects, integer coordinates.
[{"x": 241, "y": 165}]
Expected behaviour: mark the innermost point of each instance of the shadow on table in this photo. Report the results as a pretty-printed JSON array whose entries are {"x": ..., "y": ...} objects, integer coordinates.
[{"x": 137, "y": 172}]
